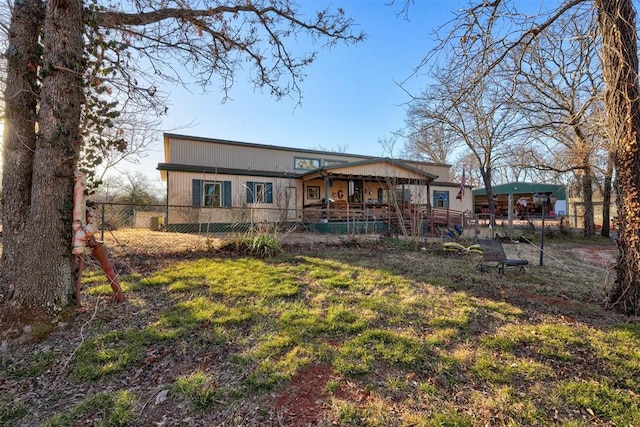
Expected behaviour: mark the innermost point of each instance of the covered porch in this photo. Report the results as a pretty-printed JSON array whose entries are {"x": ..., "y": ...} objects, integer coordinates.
[{"x": 380, "y": 196}]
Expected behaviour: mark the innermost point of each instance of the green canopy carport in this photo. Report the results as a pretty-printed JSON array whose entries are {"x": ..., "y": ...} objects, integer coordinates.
[{"x": 522, "y": 192}]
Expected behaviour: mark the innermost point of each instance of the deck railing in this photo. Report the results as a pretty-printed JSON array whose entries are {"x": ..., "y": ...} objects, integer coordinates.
[{"x": 344, "y": 218}]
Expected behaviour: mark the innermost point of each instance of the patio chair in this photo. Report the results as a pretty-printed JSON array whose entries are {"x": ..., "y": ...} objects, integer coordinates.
[{"x": 493, "y": 256}]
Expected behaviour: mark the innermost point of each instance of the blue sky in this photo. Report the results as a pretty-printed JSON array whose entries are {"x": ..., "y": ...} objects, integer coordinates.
[{"x": 351, "y": 98}]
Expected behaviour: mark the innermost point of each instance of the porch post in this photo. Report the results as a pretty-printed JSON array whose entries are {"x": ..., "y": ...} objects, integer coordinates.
[{"x": 326, "y": 196}]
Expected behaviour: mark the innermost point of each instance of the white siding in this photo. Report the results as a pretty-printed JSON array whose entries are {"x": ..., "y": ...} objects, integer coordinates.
[
  {"x": 181, "y": 194},
  {"x": 454, "y": 204}
]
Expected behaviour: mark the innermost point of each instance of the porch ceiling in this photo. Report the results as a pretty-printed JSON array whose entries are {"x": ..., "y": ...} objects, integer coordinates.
[
  {"x": 369, "y": 178},
  {"x": 384, "y": 170}
]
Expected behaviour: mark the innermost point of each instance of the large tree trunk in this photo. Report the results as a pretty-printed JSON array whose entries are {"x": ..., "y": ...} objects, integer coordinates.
[
  {"x": 617, "y": 22},
  {"x": 486, "y": 178},
  {"x": 587, "y": 195},
  {"x": 21, "y": 99},
  {"x": 606, "y": 198},
  {"x": 41, "y": 269}
]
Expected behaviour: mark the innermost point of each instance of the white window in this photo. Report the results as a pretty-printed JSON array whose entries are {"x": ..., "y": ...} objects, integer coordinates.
[
  {"x": 260, "y": 193},
  {"x": 212, "y": 195},
  {"x": 306, "y": 163},
  {"x": 329, "y": 162}
]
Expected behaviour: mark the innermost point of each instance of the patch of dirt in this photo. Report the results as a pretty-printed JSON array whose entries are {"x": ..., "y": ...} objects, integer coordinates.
[
  {"x": 301, "y": 402},
  {"x": 604, "y": 256},
  {"x": 563, "y": 303}
]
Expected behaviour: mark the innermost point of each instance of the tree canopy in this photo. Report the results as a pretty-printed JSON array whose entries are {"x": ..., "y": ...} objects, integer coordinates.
[
  {"x": 548, "y": 55},
  {"x": 73, "y": 69}
]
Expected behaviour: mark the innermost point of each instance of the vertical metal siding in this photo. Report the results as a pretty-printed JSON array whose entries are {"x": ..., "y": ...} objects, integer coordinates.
[{"x": 213, "y": 154}]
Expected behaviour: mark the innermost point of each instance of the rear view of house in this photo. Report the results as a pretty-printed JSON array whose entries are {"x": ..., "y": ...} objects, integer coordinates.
[{"x": 220, "y": 186}]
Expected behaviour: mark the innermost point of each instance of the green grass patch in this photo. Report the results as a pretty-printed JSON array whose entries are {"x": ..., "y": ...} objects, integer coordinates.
[
  {"x": 281, "y": 364},
  {"x": 203, "y": 310},
  {"x": 609, "y": 404},
  {"x": 31, "y": 366},
  {"x": 115, "y": 351},
  {"x": 342, "y": 319},
  {"x": 95, "y": 282},
  {"x": 231, "y": 278},
  {"x": 619, "y": 348},
  {"x": 184, "y": 286},
  {"x": 516, "y": 407},
  {"x": 198, "y": 388},
  {"x": 349, "y": 414},
  {"x": 503, "y": 368},
  {"x": 358, "y": 355},
  {"x": 11, "y": 414},
  {"x": 448, "y": 418},
  {"x": 556, "y": 341},
  {"x": 101, "y": 410},
  {"x": 302, "y": 321}
]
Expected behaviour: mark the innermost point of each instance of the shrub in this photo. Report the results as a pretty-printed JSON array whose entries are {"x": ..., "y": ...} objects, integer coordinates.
[{"x": 261, "y": 245}]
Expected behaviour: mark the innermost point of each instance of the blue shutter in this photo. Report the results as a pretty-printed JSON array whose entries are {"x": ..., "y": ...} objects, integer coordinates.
[
  {"x": 196, "y": 186},
  {"x": 250, "y": 190},
  {"x": 268, "y": 189},
  {"x": 226, "y": 194}
]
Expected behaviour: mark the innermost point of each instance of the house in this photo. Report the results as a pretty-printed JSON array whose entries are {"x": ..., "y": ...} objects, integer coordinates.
[{"x": 219, "y": 185}]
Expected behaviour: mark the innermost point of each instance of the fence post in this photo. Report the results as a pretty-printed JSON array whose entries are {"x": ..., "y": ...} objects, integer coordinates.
[{"x": 102, "y": 222}]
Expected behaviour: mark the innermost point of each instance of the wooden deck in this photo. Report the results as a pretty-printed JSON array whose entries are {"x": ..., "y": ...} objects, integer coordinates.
[{"x": 401, "y": 218}]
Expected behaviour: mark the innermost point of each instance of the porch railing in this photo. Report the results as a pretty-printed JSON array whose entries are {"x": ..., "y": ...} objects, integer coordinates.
[{"x": 365, "y": 218}]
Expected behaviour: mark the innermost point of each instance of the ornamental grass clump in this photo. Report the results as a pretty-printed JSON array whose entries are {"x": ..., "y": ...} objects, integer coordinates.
[
  {"x": 265, "y": 246},
  {"x": 260, "y": 246}
]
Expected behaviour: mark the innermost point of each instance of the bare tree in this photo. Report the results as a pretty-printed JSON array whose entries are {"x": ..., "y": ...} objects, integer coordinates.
[
  {"x": 519, "y": 168},
  {"x": 130, "y": 187},
  {"x": 559, "y": 88},
  {"x": 118, "y": 52},
  {"x": 488, "y": 32},
  {"x": 430, "y": 140},
  {"x": 137, "y": 132},
  {"x": 480, "y": 116},
  {"x": 390, "y": 145},
  {"x": 605, "y": 164}
]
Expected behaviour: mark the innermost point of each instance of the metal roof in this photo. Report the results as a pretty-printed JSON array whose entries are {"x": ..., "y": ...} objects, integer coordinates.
[{"x": 524, "y": 188}]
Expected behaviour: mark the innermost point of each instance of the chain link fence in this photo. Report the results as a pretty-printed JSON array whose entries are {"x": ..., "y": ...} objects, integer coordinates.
[
  {"x": 108, "y": 217},
  {"x": 223, "y": 222},
  {"x": 189, "y": 219},
  {"x": 114, "y": 216}
]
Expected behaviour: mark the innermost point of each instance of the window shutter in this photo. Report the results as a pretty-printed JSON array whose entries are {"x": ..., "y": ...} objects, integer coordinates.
[
  {"x": 250, "y": 190},
  {"x": 268, "y": 189},
  {"x": 196, "y": 186},
  {"x": 226, "y": 194}
]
